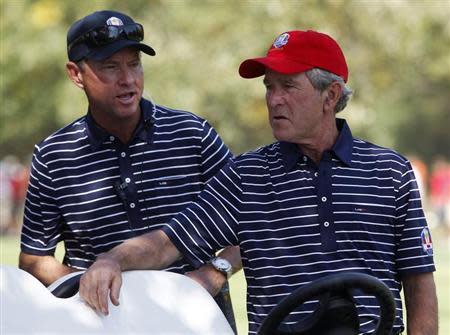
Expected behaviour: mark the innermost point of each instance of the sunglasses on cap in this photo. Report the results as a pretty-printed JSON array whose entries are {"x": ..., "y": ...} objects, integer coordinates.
[{"x": 107, "y": 34}]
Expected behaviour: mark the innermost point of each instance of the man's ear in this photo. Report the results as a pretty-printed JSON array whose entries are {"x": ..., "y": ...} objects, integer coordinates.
[
  {"x": 333, "y": 94},
  {"x": 75, "y": 74}
]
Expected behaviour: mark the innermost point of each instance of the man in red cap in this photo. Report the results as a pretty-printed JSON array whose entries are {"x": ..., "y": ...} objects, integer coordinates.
[{"x": 314, "y": 203}]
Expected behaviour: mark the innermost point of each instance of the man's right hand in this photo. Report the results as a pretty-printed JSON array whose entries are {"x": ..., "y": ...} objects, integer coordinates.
[
  {"x": 151, "y": 251},
  {"x": 102, "y": 279}
]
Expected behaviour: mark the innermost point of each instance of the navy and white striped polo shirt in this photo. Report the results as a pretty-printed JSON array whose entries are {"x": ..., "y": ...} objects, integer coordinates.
[
  {"x": 295, "y": 222},
  {"x": 93, "y": 192}
]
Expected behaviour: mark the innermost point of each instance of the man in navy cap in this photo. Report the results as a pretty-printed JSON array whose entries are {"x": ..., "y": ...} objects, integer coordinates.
[
  {"x": 316, "y": 202},
  {"x": 123, "y": 169}
]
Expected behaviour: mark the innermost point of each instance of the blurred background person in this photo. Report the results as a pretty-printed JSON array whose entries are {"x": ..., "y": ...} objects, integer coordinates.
[
  {"x": 440, "y": 192},
  {"x": 13, "y": 184},
  {"x": 421, "y": 174}
]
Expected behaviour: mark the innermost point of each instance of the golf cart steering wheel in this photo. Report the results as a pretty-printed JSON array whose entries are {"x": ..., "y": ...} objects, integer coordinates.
[{"x": 333, "y": 285}]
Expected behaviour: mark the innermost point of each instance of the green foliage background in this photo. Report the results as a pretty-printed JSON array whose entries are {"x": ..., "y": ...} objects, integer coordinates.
[{"x": 398, "y": 54}]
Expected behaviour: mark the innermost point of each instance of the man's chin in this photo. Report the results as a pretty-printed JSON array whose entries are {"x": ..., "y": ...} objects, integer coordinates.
[
  {"x": 128, "y": 109},
  {"x": 281, "y": 136}
]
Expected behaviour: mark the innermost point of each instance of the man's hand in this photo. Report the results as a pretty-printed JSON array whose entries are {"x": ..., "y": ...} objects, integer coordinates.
[
  {"x": 207, "y": 276},
  {"x": 103, "y": 278},
  {"x": 152, "y": 251}
]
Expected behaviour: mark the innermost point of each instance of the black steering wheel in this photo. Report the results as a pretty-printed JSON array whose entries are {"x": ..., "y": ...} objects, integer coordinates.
[{"x": 334, "y": 291}]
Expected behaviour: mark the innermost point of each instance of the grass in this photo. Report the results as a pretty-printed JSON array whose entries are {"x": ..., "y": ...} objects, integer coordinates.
[{"x": 9, "y": 251}]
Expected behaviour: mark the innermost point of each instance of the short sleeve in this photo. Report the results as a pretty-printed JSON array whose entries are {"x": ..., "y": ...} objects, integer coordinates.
[
  {"x": 41, "y": 223},
  {"x": 413, "y": 238}
]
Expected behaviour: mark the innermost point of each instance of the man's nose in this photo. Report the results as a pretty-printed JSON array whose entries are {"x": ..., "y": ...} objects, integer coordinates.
[
  {"x": 274, "y": 97},
  {"x": 126, "y": 76}
]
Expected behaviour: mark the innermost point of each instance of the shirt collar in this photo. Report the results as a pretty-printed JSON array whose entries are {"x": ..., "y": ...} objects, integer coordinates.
[
  {"x": 342, "y": 149},
  {"x": 144, "y": 130}
]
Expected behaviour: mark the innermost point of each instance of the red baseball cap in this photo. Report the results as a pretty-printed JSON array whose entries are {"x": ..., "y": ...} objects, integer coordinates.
[{"x": 298, "y": 51}]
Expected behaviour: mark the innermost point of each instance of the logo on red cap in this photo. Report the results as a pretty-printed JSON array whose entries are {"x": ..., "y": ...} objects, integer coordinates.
[{"x": 281, "y": 40}]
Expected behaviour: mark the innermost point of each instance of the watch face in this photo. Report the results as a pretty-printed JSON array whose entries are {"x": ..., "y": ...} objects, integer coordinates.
[{"x": 221, "y": 264}]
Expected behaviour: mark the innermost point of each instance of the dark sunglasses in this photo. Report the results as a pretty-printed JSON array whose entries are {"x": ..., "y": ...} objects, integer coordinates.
[{"x": 108, "y": 34}]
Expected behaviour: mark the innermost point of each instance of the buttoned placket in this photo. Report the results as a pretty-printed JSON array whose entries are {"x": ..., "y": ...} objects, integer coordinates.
[
  {"x": 324, "y": 203},
  {"x": 128, "y": 185}
]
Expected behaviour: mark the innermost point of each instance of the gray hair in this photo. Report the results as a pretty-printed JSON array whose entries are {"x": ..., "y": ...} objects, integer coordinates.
[{"x": 321, "y": 79}]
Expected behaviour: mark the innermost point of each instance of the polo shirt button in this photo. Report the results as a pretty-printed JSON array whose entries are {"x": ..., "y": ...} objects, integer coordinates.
[
  {"x": 111, "y": 138},
  {"x": 305, "y": 158},
  {"x": 326, "y": 223},
  {"x": 324, "y": 199},
  {"x": 132, "y": 205},
  {"x": 316, "y": 174},
  {"x": 122, "y": 154},
  {"x": 127, "y": 180}
]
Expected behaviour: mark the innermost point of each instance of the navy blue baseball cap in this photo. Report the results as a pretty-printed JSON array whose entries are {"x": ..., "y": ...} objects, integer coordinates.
[{"x": 101, "y": 34}]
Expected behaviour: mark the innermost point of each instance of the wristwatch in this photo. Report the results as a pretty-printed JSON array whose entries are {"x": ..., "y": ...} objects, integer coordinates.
[{"x": 222, "y": 265}]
